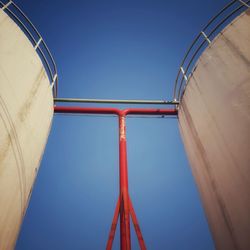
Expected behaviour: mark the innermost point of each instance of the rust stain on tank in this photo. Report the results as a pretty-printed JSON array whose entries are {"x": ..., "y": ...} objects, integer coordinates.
[
  {"x": 209, "y": 169},
  {"x": 25, "y": 109}
]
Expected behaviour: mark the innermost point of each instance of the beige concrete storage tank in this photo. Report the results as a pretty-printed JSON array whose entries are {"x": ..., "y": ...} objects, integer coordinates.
[
  {"x": 214, "y": 119},
  {"x": 26, "y": 110}
]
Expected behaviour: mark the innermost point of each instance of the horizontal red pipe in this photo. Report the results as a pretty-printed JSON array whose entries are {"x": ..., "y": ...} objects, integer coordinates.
[
  {"x": 150, "y": 111},
  {"x": 132, "y": 111}
]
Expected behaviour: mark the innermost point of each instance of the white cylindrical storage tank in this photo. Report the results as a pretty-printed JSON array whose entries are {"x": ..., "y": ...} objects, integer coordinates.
[
  {"x": 214, "y": 119},
  {"x": 26, "y": 110}
]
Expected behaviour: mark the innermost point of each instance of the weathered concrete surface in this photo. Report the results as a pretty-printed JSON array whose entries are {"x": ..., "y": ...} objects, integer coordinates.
[
  {"x": 214, "y": 120},
  {"x": 26, "y": 109}
]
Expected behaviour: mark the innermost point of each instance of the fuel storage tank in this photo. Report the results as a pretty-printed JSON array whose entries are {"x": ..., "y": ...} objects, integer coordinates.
[
  {"x": 26, "y": 110},
  {"x": 214, "y": 120}
]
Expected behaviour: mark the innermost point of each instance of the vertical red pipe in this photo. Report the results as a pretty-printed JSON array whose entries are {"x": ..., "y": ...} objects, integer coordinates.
[{"x": 124, "y": 196}]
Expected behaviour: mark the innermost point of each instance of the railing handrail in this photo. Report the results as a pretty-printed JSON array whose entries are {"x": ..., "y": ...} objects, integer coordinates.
[
  {"x": 178, "y": 86},
  {"x": 44, "y": 52}
]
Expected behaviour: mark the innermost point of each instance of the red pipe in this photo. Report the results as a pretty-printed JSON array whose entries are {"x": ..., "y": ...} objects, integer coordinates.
[
  {"x": 82, "y": 110},
  {"x": 124, "y": 205},
  {"x": 124, "y": 195}
]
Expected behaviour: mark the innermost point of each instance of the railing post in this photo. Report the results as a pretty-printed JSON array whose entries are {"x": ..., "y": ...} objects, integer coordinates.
[
  {"x": 244, "y": 3},
  {"x": 206, "y": 37},
  {"x": 6, "y": 5},
  {"x": 184, "y": 74},
  {"x": 53, "y": 81},
  {"x": 38, "y": 43}
]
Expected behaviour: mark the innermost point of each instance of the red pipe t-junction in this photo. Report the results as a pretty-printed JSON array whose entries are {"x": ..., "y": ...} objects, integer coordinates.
[{"x": 124, "y": 206}]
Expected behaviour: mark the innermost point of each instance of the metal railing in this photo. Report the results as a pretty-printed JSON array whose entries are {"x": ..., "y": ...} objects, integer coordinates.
[
  {"x": 112, "y": 101},
  {"x": 36, "y": 39},
  {"x": 187, "y": 65},
  {"x": 201, "y": 40}
]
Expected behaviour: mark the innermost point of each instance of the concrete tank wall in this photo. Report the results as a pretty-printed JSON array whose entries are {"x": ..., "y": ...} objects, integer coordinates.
[
  {"x": 26, "y": 109},
  {"x": 214, "y": 119}
]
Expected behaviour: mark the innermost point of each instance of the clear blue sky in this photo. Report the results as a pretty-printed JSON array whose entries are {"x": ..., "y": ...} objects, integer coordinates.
[{"x": 118, "y": 50}]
